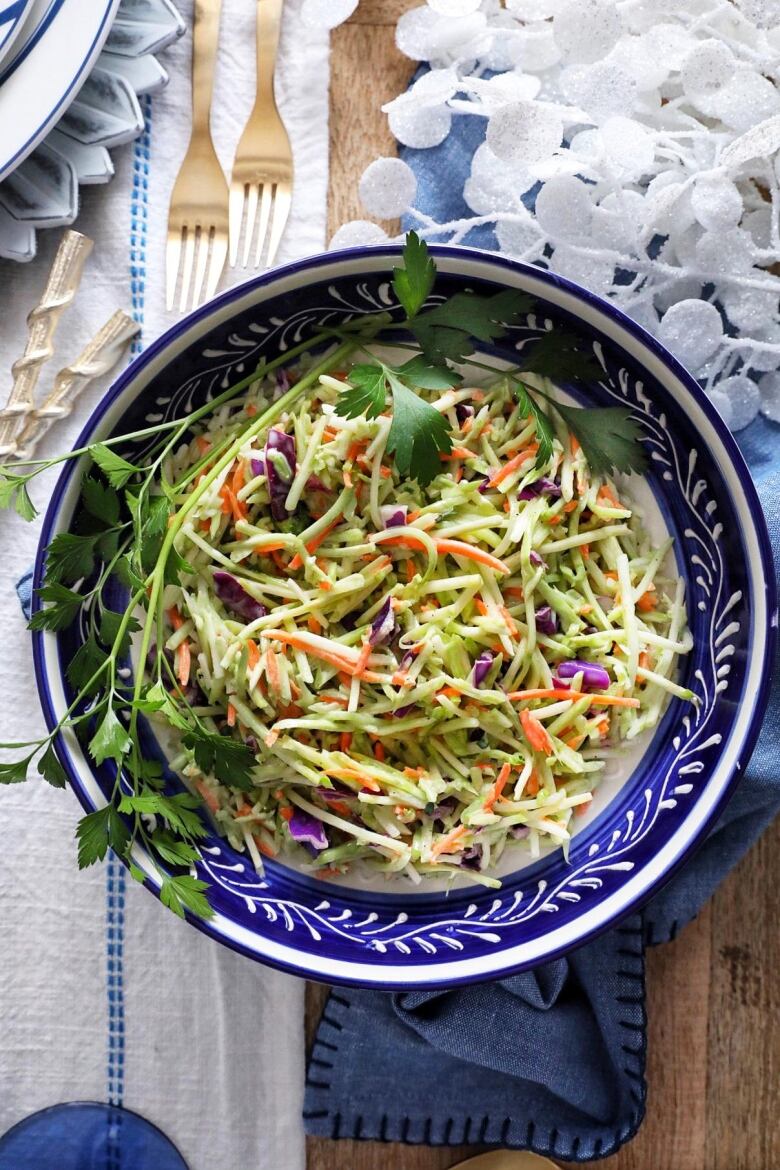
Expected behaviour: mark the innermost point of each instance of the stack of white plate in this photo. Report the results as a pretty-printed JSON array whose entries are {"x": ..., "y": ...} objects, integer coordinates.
[{"x": 71, "y": 72}]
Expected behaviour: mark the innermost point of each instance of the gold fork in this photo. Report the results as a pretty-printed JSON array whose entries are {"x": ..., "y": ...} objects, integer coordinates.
[
  {"x": 263, "y": 167},
  {"x": 197, "y": 218}
]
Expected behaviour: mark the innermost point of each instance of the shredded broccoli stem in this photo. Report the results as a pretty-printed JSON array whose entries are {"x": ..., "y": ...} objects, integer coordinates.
[{"x": 400, "y": 659}]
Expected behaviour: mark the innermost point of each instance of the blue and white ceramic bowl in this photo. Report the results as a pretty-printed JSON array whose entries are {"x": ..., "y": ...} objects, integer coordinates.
[{"x": 401, "y": 936}]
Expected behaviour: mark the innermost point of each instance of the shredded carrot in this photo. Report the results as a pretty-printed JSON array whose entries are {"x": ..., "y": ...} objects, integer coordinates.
[
  {"x": 286, "y": 812},
  {"x": 498, "y": 787},
  {"x": 313, "y": 544},
  {"x": 276, "y": 557},
  {"x": 646, "y": 603},
  {"x": 455, "y": 548},
  {"x": 184, "y": 660},
  {"x": 345, "y": 741},
  {"x": 450, "y": 693},
  {"x": 253, "y": 652},
  {"x": 643, "y": 661},
  {"x": 204, "y": 446},
  {"x": 511, "y": 624},
  {"x": 481, "y": 607},
  {"x": 238, "y": 479},
  {"x": 608, "y": 498},
  {"x": 328, "y": 872},
  {"x": 512, "y": 465},
  {"x": 535, "y": 733},
  {"x": 313, "y": 624},
  {"x": 561, "y": 693},
  {"x": 272, "y": 546},
  {"x": 207, "y": 795},
  {"x": 415, "y": 514},
  {"x": 457, "y": 453},
  {"x": 341, "y": 808},
  {"x": 250, "y": 410},
  {"x": 342, "y": 657},
  {"x": 574, "y": 444},
  {"x": 264, "y": 848},
  {"x": 451, "y": 842},
  {"x": 272, "y": 670},
  {"x": 575, "y": 741},
  {"x": 175, "y": 618},
  {"x": 514, "y": 591},
  {"x": 231, "y": 715},
  {"x": 329, "y": 434},
  {"x": 246, "y": 810},
  {"x": 570, "y": 506},
  {"x": 532, "y": 784},
  {"x": 379, "y": 751},
  {"x": 205, "y": 525},
  {"x": 231, "y": 503},
  {"x": 585, "y": 550},
  {"x": 271, "y": 737}
]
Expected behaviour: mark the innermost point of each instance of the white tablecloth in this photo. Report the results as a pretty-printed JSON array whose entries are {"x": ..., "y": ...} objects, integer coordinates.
[{"x": 103, "y": 993}]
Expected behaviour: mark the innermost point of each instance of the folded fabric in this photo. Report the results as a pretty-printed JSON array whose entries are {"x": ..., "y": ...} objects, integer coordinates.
[{"x": 551, "y": 1060}]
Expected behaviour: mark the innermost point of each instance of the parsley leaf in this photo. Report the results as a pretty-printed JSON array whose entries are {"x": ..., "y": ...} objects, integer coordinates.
[
  {"x": 368, "y": 389},
  {"x": 556, "y": 356},
  {"x": 69, "y": 557},
  {"x": 420, "y": 373},
  {"x": 544, "y": 428},
  {"x": 172, "y": 850},
  {"x": 227, "y": 759},
  {"x": 51, "y": 769},
  {"x": 126, "y": 574},
  {"x": 84, "y": 665},
  {"x": 98, "y": 831},
  {"x": 109, "y": 629},
  {"x": 23, "y": 504},
  {"x": 185, "y": 893},
  {"x": 413, "y": 283},
  {"x": 609, "y": 437},
  {"x": 13, "y": 491},
  {"x": 111, "y": 740},
  {"x": 100, "y": 501},
  {"x": 180, "y": 813},
  {"x": 15, "y": 772},
  {"x": 417, "y": 434},
  {"x": 446, "y": 332},
  {"x": 116, "y": 469},
  {"x": 61, "y": 610}
]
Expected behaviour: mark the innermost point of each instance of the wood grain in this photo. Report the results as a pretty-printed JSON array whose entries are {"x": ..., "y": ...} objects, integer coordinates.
[{"x": 714, "y": 995}]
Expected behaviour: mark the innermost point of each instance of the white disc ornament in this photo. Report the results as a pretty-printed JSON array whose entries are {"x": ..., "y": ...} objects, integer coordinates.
[
  {"x": 387, "y": 188},
  {"x": 327, "y": 13},
  {"x": 692, "y": 330},
  {"x": 525, "y": 132},
  {"x": 358, "y": 233}
]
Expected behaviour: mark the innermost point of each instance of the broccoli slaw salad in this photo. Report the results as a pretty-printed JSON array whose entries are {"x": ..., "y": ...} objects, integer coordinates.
[
  {"x": 395, "y": 600},
  {"x": 425, "y": 675}
]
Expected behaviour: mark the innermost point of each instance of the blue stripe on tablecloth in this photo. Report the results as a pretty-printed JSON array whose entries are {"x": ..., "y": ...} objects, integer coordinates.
[{"x": 116, "y": 874}]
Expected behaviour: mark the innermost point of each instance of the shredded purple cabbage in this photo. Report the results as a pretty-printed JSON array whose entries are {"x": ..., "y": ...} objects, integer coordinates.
[
  {"x": 383, "y": 624},
  {"x": 258, "y": 466},
  {"x": 393, "y": 515},
  {"x": 401, "y": 711},
  {"x": 519, "y": 831},
  {"x": 463, "y": 411},
  {"x": 282, "y": 381},
  {"x": 235, "y": 598},
  {"x": 592, "y": 675},
  {"x": 536, "y": 559},
  {"x": 539, "y": 486},
  {"x": 307, "y": 830},
  {"x": 337, "y": 792},
  {"x": 481, "y": 668},
  {"x": 280, "y": 471},
  {"x": 546, "y": 621},
  {"x": 315, "y": 484}
]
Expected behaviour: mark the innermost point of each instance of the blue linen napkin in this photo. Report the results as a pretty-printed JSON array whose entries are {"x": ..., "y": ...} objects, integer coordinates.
[{"x": 551, "y": 1060}]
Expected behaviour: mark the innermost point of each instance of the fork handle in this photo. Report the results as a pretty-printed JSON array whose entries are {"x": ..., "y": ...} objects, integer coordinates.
[
  {"x": 269, "y": 21},
  {"x": 205, "y": 36}
]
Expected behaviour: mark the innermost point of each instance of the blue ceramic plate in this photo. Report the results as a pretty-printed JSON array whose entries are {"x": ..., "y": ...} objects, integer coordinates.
[
  {"x": 13, "y": 14},
  {"x": 398, "y": 938}
]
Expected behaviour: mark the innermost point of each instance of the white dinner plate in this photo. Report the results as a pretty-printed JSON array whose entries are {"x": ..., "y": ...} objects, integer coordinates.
[
  {"x": 45, "y": 77},
  {"x": 13, "y": 14}
]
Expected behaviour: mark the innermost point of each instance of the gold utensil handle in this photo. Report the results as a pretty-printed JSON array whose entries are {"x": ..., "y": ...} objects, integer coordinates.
[
  {"x": 269, "y": 23},
  {"x": 205, "y": 37}
]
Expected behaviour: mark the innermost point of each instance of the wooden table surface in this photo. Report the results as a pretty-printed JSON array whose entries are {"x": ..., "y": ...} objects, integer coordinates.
[{"x": 714, "y": 994}]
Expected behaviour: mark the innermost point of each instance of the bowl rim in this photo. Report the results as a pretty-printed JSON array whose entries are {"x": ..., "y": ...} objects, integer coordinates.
[{"x": 296, "y": 962}]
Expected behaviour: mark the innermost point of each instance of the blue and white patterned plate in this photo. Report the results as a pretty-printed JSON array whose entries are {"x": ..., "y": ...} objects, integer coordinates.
[
  {"x": 399, "y": 938},
  {"x": 89, "y": 104},
  {"x": 13, "y": 14}
]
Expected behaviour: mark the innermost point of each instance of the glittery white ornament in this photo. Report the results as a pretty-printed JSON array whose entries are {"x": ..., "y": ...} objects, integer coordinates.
[
  {"x": 716, "y": 203},
  {"x": 454, "y": 7},
  {"x": 357, "y": 233},
  {"x": 564, "y": 208},
  {"x": 602, "y": 89},
  {"x": 326, "y": 13},
  {"x": 692, "y": 330},
  {"x": 524, "y": 132},
  {"x": 722, "y": 404},
  {"x": 744, "y": 399},
  {"x": 769, "y": 386},
  {"x": 420, "y": 126},
  {"x": 706, "y": 68},
  {"x": 585, "y": 30},
  {"x": 387, "y": 187}
]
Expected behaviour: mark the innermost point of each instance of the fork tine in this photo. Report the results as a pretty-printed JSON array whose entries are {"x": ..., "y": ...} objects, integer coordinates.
[
  {"x": 186, "y": 276},
  {"x": 235, "y": 216},
  {"x": 172, "y": 257},
  {"x": 281, "y": 213},
  {"x": 265, "y": 215},
  {"x": 251, "y": 213},
  {"x": 200, "y": 266},
  {"x": 217, "y": 259}
]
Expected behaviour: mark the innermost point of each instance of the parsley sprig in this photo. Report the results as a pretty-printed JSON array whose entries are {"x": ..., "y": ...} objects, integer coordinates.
[
  {"x": 450, "y": 331},
  {"x": 130, "y": 518}
]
